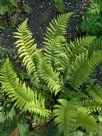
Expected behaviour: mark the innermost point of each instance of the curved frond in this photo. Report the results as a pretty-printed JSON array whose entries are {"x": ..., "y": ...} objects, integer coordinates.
[
  {"x": 25, "y": 99},
  {"x": 27, "y": 49},
  {"x": 92, "y": 105}
]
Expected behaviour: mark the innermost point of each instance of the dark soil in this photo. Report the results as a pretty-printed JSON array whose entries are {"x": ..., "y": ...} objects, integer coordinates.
[{"x": 43, "y": 11}]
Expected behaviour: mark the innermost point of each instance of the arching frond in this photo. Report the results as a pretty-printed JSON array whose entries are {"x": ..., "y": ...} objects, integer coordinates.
[
  {"x": 27, "y": 49},
  {"x": 95, "y": 59},
  {"x": 25, "y": 99},
  {"x": 92, "y": 105}
]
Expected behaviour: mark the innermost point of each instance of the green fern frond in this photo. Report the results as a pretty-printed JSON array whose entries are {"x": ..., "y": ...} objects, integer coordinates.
[
  {"x": 55, "y": 51},
  {"x": 25, "y": 99},
  {"x": 85, "y": 120},
  {"x": 82, "y": 68},
  {"x": 57, "y": 27},
  {"x": 95, "y": 59},
  {"x": 26, "y": 49},
  {"x": 91, "y": 105},
  {"x": 73, "y": 50},
  {"x": 95, "y": 46},
  {"x": 78, "y": 46},
  {"x": 48, "y": 75},
  {"x": 95, "y": 91},
  {"x": 55, "y": 40},
  {"x": 65, "y": 116}
]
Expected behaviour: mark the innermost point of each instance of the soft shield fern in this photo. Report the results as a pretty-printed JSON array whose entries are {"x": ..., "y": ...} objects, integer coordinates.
[{"x": 60, "y": 75}]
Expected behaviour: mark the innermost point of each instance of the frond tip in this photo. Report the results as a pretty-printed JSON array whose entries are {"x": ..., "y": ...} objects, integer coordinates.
[{"x": 57, "y": 27}]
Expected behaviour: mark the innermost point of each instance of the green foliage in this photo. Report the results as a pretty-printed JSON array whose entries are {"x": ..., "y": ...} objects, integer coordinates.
[
  {"x": 70, "y": 115},
  {"x": 7, "y": 122},
  {"x": 7, "y": 6},
  {"x": 34, "y": 60},
  {"x": 27, "y": 8},
  {"x": 65, "y": 116},
  {"x": 22, "y": 126},
  {"x": 25, "y": 98},
  {"x": 61, "y": 89},
  {"x": 59, "y": 4},
  {"x": 92, "y": 20}
]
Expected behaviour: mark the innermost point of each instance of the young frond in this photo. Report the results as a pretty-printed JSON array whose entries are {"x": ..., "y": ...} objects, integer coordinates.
[
  {"x": 25, "y": 99},
  {"x": 26, "y": 49},
  {"x": 65, "y": 114}
]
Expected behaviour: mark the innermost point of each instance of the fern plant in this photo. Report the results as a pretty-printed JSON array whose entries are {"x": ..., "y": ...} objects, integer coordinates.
[{"x": 61, "y": 87}]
